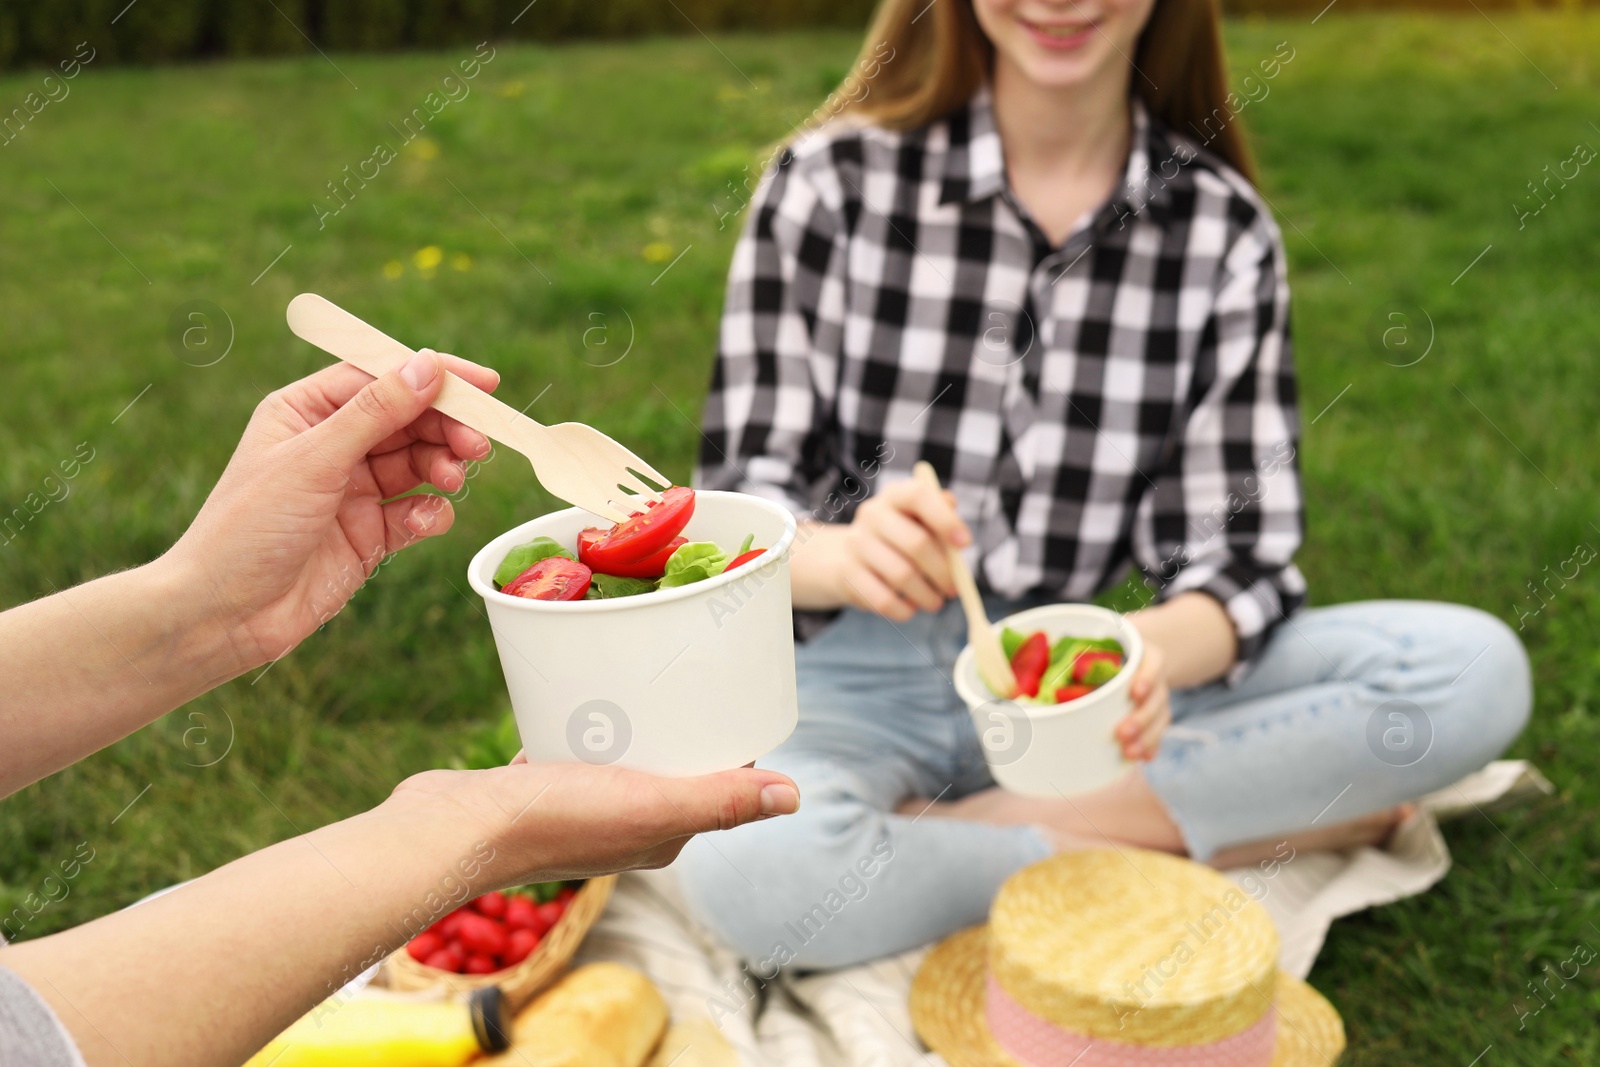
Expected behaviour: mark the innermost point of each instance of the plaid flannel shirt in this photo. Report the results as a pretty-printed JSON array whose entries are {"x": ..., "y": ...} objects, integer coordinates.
[{"x": 1125, "y": 398}]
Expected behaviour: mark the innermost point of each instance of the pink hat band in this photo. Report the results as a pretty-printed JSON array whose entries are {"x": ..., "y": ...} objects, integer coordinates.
[{"x": 1039, "y": 1043}]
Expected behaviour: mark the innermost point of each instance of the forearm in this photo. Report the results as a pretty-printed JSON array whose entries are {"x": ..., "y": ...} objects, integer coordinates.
[
  {"x": 813, "y": 569},
  {"x": 1196, "y": 635},
  {"x": 256, "y": 943},
  {"x": 84, "y": 667}
]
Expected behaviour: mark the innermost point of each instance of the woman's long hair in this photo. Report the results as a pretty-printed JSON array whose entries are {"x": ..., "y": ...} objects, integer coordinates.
[{"x": 938, "y": 56}]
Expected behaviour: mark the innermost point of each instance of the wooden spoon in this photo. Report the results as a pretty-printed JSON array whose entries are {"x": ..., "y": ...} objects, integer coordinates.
[{"x": 993, "y": 667}]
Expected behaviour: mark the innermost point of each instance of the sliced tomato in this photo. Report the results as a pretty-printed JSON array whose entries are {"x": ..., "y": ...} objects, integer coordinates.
[
  {"x": 552, "y": 578},
  {"x": 1029, "y": 663},
  {"x": 1086, "y": 660},
  {"x": 1072, "y": 692},
  {"x": 643, "y": 535},
  {"x": 740, "y": 561},
  {"x": 648, "y": 567}
]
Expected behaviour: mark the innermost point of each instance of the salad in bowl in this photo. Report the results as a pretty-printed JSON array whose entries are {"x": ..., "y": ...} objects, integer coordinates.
[{"x": 663, "y": 643}]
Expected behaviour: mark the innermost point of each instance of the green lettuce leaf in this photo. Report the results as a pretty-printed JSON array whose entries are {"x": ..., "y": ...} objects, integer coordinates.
[
  {"x": 1067, "y": 648},
  {"x": 1010, "y": 641},
  {"x": 610, "y": 586},
  {"x": 1066, "y": 651},
  {"x": 1062, "y": 654},
  {"x": 694, "y": 562},
  {"x": 1100, "y": 672},
  {"x": 522, "y": 557}
]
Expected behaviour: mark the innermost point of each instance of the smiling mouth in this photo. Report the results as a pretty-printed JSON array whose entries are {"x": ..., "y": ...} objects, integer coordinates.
[
  {"x": 1061, "y": 32},
  {"x": 1059, "y": 35}
]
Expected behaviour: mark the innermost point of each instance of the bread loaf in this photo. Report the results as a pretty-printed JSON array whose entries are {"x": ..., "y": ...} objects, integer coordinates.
[{"x": 601, "y": 1015}]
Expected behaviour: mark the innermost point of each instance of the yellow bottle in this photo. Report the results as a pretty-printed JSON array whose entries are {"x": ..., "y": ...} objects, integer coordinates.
[{"x": 374, "y": 1032}]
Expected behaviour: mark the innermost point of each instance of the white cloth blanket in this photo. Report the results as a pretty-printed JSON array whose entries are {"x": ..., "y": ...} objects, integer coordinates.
[{"x": 858, "y": 1017}]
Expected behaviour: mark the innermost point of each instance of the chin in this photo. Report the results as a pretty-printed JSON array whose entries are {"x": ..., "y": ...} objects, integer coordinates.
[{"x": 1060, "y": 72}]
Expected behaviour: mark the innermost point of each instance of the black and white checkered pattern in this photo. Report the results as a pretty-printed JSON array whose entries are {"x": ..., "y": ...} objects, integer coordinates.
[{"x": 1126, "y": 397}]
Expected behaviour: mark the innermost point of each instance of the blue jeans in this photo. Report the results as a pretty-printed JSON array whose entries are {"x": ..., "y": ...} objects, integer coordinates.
[{"x": 1348, "y": 710}]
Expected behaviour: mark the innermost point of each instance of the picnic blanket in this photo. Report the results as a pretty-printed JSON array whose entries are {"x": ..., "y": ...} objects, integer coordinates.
[{"x": 858, "y": 1016}]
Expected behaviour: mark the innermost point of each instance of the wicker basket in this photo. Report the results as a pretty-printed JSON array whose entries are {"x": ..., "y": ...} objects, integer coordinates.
[{"x": 521, "y": 982}]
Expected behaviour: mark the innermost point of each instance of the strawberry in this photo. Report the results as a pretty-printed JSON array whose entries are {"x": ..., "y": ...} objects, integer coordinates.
[
  {"x": 491, "y": 905},
  {"x": 521, "y": 914},
  {"x": 548, "y": 915},
  {"x": 520, "y": 945},
  {"x": 477, "y": 963},
  {"x": 483, "y": 936},
  {"x": 446, "y": 959},
  {"x": 450, "y": 925},
  {"x": 424, "y": 945}
]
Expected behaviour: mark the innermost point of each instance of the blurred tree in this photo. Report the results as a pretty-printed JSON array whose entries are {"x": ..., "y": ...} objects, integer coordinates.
[
  {"x": 157, "y": 30},
  {"x": 363, "y": 25},
  {"x": 258, "y": 27}
]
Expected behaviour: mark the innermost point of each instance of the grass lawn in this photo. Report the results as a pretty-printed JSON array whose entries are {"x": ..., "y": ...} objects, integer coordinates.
[{"x": 566, "y": 184}]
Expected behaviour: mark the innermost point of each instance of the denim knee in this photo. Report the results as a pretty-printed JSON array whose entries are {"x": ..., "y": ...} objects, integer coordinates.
[
  {"x": 1493, "y": 685},
  {"x": 758, "y": 887}
]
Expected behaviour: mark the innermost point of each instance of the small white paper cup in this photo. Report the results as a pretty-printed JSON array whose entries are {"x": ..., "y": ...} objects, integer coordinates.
[
  {"x": 678, "y": 682},
  {"x": 1063, "y": 749}
]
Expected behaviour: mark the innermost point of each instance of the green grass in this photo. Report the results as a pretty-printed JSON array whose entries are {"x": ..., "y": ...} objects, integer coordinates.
[{"x": 1392, "y": 147}]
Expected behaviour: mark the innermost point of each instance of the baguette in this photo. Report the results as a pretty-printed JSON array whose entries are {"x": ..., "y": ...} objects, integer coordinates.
[{"x": 601, "y": 1015}]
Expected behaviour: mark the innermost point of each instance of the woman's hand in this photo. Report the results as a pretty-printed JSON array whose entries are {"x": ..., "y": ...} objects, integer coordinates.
[
  {"x": 1141, "y": 731},
  {"x": 299, "y": 520},
  {"x": 890, "y": 560},
  {"x": 551, "y": 821}
]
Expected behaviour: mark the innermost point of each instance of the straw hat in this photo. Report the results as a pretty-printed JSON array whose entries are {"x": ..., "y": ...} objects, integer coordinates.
[{"x": 1102, "y": 958}]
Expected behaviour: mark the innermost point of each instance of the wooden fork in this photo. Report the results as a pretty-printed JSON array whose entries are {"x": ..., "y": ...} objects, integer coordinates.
[
  {"x": 993, "y": 667},
  {"x": 574, "y": 462}
]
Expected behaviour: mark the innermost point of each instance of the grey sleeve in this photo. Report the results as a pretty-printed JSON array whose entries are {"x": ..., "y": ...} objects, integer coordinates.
[{"x": 30, "y": 1033}]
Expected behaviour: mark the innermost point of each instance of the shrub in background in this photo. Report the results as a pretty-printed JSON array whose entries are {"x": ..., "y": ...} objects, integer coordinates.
[
  {"x": 257, "y": 27},
  {"x": 42, "y": 32}
]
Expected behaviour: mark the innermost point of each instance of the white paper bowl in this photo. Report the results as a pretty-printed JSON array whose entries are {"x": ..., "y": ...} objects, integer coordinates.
[
  {"x": 1055, "y": 750},
  {"x": 678, "y": 682}
]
